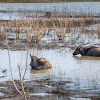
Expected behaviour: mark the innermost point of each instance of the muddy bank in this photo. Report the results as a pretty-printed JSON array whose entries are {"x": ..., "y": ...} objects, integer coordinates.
[
  {"x": 47, "y": 89},
  {"x": 19, "y": 44}
]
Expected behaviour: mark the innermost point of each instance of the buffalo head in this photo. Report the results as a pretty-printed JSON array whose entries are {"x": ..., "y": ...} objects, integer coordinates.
[
  {"x": 79, "y": 50},
  {"x": 34, "y": 63}
]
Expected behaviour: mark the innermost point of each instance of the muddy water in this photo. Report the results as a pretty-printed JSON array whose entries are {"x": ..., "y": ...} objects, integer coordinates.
[{"x": 64, "y": 65}]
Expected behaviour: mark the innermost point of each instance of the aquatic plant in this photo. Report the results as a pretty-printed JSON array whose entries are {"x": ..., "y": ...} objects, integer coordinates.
[{"x": 60, "y": 30}]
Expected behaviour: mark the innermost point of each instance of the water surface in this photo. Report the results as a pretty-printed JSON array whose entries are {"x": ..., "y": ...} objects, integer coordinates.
[
  {"x": 8, "y": 10},
  {"x": 74, "y": 6},
  {"x": 64, "y": 65}
]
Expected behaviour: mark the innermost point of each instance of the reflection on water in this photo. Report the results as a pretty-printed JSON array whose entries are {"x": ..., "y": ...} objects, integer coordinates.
[
  {"x": 39, "y": 71},
  {"x": 1, "y": 94},
  {"x": 80, "y": 99},
  {"x": 39, "y": 94},
  {"x": 86, "y": 58}
]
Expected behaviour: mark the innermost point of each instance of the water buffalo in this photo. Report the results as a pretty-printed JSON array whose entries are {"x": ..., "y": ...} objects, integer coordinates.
[
  {"x": 48, "y": 14},
  {"x": 88, "y": 51},
  {"x": 41, "y": 63}
]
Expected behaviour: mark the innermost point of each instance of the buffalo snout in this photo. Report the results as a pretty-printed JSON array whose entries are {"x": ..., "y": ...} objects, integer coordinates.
[{"x": 74, "y": 54}]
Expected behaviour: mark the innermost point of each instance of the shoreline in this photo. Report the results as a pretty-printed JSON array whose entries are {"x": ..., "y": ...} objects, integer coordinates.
[
  {"x": 50, "y": 1},
  {"x": 50, "y": 88}
]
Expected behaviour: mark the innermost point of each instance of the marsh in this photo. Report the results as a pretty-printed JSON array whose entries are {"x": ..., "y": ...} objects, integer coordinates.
[{"x": 26, "y": 31}]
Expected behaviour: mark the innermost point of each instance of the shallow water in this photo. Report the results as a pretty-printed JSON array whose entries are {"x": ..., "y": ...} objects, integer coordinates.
[
  {"x": 39, "y": 94},
  {"x": 80, "y": 99},
  {"x": 14, "y": 9},
  {"x": 64, "y": 65},
  {"x": 74, "y": 6},
  {"x": 1, "y": 94}
]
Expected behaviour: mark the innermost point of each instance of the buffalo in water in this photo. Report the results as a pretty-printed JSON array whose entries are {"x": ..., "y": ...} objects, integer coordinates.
[
  {"x": 88, "y": 51},
  {"x": 48, "y": 14},
  {"x": 41, "y": 63}
]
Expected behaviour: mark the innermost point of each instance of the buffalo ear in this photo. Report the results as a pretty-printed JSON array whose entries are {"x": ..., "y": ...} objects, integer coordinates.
[{"x": 81, "y": 49}]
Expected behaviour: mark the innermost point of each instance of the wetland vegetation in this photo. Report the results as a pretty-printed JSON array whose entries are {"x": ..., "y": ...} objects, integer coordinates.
[{"x": 54, "y": 35}]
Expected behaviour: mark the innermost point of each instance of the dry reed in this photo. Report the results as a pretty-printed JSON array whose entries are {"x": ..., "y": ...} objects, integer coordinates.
[{"x": 23, "y": 93}]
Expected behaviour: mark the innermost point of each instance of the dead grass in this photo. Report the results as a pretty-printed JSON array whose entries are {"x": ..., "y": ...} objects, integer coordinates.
[
  {"x": 35, "y": 28},
  {"x": 21, "y": 77}
]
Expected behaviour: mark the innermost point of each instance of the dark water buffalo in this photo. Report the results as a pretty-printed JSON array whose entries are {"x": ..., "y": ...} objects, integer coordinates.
[
  {"x": 88, "y": 51},
  {"x": 48, "y": 14},
  {"x": 41, "y": 63}
]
